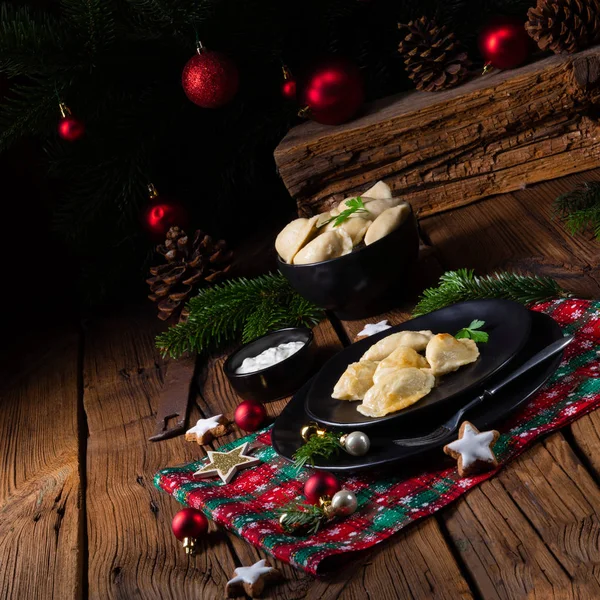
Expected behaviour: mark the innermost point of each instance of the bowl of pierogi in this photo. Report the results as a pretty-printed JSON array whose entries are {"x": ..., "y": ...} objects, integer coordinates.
[{"x": 354, "y": 258}]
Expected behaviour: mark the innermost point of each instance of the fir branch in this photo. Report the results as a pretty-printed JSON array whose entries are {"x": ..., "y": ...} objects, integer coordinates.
[
  {"x": 301, "y": 519},
  {"x": 463, "y": 284},
  {"x": 326, "y": 445},
  {"x": 240, "y": 308},
  {"x": 579, "y": 209}
]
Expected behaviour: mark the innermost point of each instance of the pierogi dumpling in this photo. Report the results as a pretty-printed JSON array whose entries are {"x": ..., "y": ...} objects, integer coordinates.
[
  {"x": 386, "y": 222},
  {"x": 356, "y": 381},
  {"x": 380, "y": 191},
  {"x": 294, "y": 236},
  {"x": 417, "y": 340},
  {"x": 401, "y": 358},
  {"x": 329, "y": 244},
  {"x": 397, "y": 390},
  {"x": 446, "y": 354},
  {"x": 355, "y": 227}
]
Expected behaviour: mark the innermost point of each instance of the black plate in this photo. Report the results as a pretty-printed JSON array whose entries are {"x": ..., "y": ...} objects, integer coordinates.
[
  {"x": 508, "y": 324},
  {"x": 286, "y": 430}
]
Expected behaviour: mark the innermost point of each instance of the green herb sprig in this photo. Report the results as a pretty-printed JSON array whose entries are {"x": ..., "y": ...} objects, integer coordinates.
[
  {"x": 355, "y": 205},
  {"x": 472, "y": 332}
]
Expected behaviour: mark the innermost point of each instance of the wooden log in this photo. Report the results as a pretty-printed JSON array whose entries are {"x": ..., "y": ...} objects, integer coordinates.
[
  {"x": 442, "y": 150},
  {"x": 42, "y": 545}
]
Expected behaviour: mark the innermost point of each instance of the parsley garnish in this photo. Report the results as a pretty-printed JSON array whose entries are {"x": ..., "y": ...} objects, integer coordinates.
[
  {"x": 472, "y": 333},
  {"x": 355, "y": 205}
]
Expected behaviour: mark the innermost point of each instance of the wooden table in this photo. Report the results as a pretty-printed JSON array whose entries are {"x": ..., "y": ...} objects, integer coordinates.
[{"x": 80, "y": 517}]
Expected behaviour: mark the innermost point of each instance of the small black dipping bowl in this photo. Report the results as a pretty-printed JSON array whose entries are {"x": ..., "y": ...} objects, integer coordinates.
[
  {"x": 279, "y": 380},
  {"x": 364, "y": 282}
]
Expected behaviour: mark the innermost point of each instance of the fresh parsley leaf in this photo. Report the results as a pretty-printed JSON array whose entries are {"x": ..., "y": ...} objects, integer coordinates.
[
  {"x": 355, "y": 205},
  {"x": 471, "y": 332}
]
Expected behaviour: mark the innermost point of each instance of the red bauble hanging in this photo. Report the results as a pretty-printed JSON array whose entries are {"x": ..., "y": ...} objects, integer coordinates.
[
  {"x": 250, "y": 415},
  {"x": 70, "y": 128},
  {"x": 504, "y": 43},
  {"x": 161, "y": 214},
  {"x": 332, "y": 92},
  {"x": 210, "y": 79},
  {"x": 188, "y": 525},
  {"x": 288, "y": 87},
  {"x": 319, "y": 485}
]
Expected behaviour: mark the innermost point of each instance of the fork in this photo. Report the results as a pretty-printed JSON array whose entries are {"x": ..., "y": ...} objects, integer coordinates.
[{"x": 452, "y": 424}]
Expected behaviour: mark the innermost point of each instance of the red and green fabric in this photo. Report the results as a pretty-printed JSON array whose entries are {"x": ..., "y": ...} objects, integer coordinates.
[{"x": 248, "y": 505}]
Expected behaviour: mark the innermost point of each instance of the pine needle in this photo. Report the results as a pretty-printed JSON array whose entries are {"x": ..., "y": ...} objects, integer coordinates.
[
  {"x": 238, "y": 309},
  {"x": 301, "y": 519},
  {"x": 326, "y": 445},
  {"x": 579, "y": 209},
  {"x": 463, "y": 284}
]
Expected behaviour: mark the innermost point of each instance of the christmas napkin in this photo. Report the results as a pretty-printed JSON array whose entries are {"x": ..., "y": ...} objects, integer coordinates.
[{"x": 386, "y": 503}]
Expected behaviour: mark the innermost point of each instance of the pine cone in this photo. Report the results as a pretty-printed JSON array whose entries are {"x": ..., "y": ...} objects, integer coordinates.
[
  {"x": 564, "y": 25},
  {"x": 433, "y": 57},
  {"x": 189, "y": 263}
]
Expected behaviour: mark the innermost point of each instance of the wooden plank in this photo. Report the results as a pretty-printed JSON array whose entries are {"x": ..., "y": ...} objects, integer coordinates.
[
  {"x": 132, "y": 550},
  {"x": 510, "y": 233},
  {"x": 503, "y": 553},
  {"x": 488, "y": 136},
  {"x": 42, "y": 546},
  {"x": 562, "y": 501}
]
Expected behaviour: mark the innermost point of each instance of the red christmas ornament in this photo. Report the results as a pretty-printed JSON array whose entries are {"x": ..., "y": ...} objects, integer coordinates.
[
  {"x": 332, "y": 92},
  {"x": 320, "y": 484},
  {"x": 288, "y": 87},
  {"x": 161, "y": 214},
  {"x": 210, "y": 79},
  {"x": 188, "y": 525},
  {"x": 249, "y": 415},
  {"x": 70, "y": 128},
  {"x": 504, "y": 43}
]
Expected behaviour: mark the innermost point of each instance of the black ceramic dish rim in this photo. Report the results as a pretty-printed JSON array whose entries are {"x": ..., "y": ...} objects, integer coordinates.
[
  {"x": 395, "y": 232},
  {"x": 231, "y": 374}
]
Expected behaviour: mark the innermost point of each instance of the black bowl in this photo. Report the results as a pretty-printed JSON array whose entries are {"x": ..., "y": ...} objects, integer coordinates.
[
  {"x": 279, "y": 380},
  {"x": 362, "y": 283}
]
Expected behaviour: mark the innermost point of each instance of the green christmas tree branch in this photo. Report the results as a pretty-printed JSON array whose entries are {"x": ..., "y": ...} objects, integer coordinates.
[
  {"x": 579, "y": 209},
  {"x": 238, "y": 309},
  {"x": 463, "y": 284}
]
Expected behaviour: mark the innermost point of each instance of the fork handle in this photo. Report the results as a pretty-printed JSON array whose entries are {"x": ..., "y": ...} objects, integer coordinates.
[{"x": 453, "y": 422}]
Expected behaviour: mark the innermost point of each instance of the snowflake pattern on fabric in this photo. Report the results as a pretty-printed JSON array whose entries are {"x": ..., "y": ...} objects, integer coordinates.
[{"x": 387, "y": 503}]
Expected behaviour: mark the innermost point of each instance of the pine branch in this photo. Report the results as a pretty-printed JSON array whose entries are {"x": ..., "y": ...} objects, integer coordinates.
[
  {"x": 30, "y": 42},
  {"x": 579, "y": 209},
  {"x": 240, "y": 308},
  {"x": 301, "y": 519},
  {"x": 326, "y": 445},
  {"x": 463, "y": 284}
]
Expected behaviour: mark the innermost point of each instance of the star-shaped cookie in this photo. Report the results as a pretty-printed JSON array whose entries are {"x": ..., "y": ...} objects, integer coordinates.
[
  {"x": 473, "y": 449},
  {"x": 205, "y": 430},
  {"x": 251, "y": 580},
  {"x": 227, "y": 464}
]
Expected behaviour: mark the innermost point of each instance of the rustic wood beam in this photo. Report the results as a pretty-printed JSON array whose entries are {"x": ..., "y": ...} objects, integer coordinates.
[{"x": 494, "y": 134}]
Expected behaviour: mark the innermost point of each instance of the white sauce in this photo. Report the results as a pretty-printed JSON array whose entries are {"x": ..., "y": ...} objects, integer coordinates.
[
  {"x": 373, "y": 328},
  {"x": 268, "y": 358}
]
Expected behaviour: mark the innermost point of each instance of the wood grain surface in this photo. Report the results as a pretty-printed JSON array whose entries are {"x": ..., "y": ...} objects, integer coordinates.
[
  {"x": 80, "y": 517},
  {"x": 442, "y": 150}
]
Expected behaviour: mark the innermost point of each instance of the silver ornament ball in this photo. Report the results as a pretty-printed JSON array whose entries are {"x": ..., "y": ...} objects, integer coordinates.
[
  {"x": 344, "y": 503},
  {"x": 357, "y": 443}
]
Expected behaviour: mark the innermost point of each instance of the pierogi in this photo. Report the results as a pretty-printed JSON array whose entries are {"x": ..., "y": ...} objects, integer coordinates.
[
  {"x": 417, "y": 340},
  {"x": 397, "y": 390},
  {"x": 401, "y": 358},
  {"x": 446, "y": 354},
  {"x": 356, "y": 381}
]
